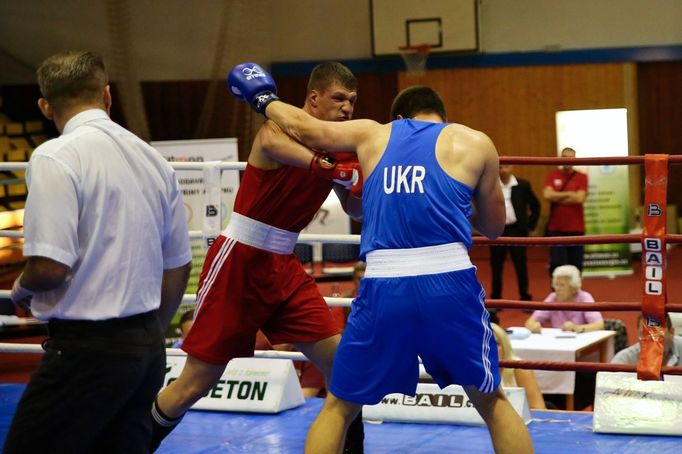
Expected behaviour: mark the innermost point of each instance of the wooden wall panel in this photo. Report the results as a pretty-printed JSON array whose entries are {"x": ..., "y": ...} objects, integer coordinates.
[
  {"x": 660, "y": 116},
  {"x": 174, "y": 111},
  {"x": 516, "y": 106}
]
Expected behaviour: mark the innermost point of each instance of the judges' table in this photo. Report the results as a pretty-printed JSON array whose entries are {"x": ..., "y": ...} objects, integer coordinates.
[{"x": 553, "y": 344}]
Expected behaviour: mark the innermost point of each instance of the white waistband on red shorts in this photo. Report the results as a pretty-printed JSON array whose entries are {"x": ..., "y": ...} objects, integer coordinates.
[
  {"x": 417, "y": 261},
  {"x": 260, "y": 235}
]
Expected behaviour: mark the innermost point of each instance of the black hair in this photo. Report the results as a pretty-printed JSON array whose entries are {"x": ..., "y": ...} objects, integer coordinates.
[{"x": 417, "y": 100}]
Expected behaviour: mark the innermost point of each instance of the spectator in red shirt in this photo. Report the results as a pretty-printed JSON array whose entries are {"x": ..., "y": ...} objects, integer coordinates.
[{"x": 566, "y": 190}]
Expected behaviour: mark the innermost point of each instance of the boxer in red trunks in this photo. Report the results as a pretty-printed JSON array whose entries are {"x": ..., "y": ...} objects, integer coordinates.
[{"x": 251, "y": 280}]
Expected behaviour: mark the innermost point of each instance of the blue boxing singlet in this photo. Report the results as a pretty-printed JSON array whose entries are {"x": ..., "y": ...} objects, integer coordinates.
[{"x": 409, "y": 201}]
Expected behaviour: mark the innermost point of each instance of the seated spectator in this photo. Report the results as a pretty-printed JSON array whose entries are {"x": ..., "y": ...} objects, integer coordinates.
[
  {"x": 567, "y": 284},
  {"x": 186, "y": 321},
  {"x": 672, "y": 352},
  {"x": 517, "y": 378}
]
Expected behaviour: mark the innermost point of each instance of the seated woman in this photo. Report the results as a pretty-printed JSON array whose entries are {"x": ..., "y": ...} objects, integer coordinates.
[
  {"x": 567, "y": 288},
  {"x": 517, "y": 378}
]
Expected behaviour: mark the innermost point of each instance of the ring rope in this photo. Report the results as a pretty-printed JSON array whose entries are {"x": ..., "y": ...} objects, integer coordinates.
[
  {"x": 520, "y": 160},
  {"x": 298, "y": 356},
  {"x": 582, "y": 366},
  {"x": 598, "y": 306},
  {"x": 554, "y": 161},
  {"x": 572, "y": 240},
  {"x": 535, "y": 241},
  {"x": 333, "y": 301}
]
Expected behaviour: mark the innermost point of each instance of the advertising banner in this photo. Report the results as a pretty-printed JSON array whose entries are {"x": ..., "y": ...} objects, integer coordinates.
[{"x": 592, "y": 134}]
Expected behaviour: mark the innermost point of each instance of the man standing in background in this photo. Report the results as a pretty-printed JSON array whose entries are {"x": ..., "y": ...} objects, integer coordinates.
[
  {"x": 566, "y": 190},
  {"x": 522, "y": 213}
]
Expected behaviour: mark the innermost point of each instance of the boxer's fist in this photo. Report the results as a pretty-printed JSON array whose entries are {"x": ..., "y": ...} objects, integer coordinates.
[
  {"x": 344, "y": 173},
  {"x": 251, "y": 83}
]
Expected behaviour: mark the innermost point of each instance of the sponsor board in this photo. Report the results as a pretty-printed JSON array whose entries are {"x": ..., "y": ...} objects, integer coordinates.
[
  {"x": 258, "y": 385},
  {"x": 625, "y": 405},
  {"x": 431, "y": 404}
]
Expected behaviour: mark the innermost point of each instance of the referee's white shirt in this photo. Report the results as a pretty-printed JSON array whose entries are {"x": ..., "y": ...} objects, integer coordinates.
[{"x": 105, "y": 203}]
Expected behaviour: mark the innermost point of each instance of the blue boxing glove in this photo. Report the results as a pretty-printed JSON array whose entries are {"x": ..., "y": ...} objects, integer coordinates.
[{"x": 251, "y": 83}]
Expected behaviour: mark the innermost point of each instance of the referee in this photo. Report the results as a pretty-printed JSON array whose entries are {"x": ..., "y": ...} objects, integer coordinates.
[{"x": 108, "y": 260}]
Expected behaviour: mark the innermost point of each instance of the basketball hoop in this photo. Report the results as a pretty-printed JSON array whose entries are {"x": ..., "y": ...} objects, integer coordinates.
[{"x": 415, "y": 57}]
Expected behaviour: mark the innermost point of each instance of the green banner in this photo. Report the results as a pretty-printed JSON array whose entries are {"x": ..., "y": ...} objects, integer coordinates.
[{"x": 607, "y": 211}]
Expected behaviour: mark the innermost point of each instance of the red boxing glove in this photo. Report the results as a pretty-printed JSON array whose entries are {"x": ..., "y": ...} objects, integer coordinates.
[
  {"x": 345, "y": 173},
  {"x": 344, "y": 156},
  {"x": 356, "y": 189}
]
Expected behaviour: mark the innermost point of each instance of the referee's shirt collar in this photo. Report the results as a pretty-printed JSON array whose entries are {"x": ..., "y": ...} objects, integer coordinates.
[{"x": 84, "y": 117}]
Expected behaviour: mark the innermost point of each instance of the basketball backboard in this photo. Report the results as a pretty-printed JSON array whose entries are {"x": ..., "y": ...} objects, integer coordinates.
[{"x": 445, "y": 25}]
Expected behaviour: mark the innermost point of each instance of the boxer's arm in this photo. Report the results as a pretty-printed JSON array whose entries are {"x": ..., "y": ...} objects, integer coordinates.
[
  {"x": 322, "y": 135},
  {"x": 488, "y": 197},
  {"x": 278, "y": 146},
  {"x": 351, "y": 203}
]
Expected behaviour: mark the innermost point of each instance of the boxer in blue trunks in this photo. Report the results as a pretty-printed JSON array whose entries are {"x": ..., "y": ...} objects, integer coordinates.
[{"x": 420, "y": 295}]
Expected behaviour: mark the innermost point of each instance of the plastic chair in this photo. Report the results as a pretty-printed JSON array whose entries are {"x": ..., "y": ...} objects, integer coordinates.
[
  {"x": 304, "y": 252},
  {"x": 337, "y": 253},
  {"x": 621, "y": 340}
]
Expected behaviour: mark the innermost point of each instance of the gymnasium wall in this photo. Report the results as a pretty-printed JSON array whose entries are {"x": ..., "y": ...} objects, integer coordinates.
[
  {"x": 179, "y": 39},
  {"x": 516, "y": 106},
  {"x": 175, "y": 47}
]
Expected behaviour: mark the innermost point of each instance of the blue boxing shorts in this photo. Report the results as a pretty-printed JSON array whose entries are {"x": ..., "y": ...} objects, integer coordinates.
[{"x": 439, "y": 317}]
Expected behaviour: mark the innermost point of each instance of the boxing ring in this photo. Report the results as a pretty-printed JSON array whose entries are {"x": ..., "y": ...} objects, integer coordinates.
[
  {"x": 214, "y": 432},
  {"x": 551, "y": 431}
]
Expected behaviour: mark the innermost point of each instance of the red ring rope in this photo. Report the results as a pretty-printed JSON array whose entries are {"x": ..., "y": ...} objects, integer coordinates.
[{"x": 581, "y": 366}]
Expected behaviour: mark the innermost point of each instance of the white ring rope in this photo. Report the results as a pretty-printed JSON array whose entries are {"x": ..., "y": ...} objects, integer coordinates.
[
  {"x": 198, "y": 234},
  {"x": 276, "y": 354},
  {"x": 224, "y": 165},
  {"x": 189, "y": 298}
]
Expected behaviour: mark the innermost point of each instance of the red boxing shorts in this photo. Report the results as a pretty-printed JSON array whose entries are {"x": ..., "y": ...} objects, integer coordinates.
[{"x": 243, "y": 289}]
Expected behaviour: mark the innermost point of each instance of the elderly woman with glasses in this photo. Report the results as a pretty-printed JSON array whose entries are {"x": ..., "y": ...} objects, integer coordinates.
[{"x": 567, "y": 284}]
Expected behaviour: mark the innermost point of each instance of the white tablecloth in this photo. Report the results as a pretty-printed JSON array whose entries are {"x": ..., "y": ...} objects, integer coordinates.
[{"x": 547, "y": 346}]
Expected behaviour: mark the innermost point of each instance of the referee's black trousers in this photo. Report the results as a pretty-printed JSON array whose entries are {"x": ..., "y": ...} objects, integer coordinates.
[{"x": 94, "y": 388}]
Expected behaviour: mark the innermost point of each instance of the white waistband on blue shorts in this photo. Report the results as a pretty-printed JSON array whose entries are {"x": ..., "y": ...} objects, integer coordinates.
[
  {"x": 260, "y": 235},
  {"x": 417, "y": 261}
]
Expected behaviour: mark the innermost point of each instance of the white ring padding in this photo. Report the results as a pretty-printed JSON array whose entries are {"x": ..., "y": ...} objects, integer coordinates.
[
  {"x": 444, "y": 258},
  {"x": 260, "y": 235},
  {"x": 212, "y": 216}
]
